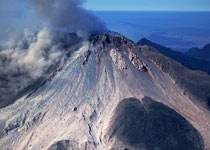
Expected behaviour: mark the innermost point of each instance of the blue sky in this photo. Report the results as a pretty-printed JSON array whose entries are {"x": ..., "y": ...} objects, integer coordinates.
[
  {"x": 149, "y": 5},
  {"x": 130, "y": 5},
  {"x": 19, "y": 14}
]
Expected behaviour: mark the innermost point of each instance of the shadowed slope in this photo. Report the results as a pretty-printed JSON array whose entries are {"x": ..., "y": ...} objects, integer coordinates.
[
  {"x": 151, "y": 125},
  {"x": 64, "y": 145}
]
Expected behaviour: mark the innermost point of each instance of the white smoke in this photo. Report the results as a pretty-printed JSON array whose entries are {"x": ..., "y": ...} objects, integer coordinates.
[
  {"x": 69, "y": 15},
  {"x": 33, "y": 53},
  {"x": 25, "y": 60}
]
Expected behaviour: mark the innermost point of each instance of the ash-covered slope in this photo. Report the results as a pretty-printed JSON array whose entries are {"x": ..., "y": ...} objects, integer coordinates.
[{"x": 78, "y": 107}]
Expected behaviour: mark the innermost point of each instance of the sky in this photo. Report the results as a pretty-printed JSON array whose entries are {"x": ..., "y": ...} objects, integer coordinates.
[
  {"x": 20, "y": 13},
  {"x": 122, "y": 5},
  {"x": 149, "y": 5}
]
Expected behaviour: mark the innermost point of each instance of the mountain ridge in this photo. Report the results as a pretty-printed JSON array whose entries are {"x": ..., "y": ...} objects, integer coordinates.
[
  {"x": 76, "y": 107},
  {"x": 202, "y": 54},
  {"x": 184, "y": 59}
]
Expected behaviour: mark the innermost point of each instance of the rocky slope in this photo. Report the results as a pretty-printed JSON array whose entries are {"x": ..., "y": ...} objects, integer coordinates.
[{"x": 108, "y": 89}]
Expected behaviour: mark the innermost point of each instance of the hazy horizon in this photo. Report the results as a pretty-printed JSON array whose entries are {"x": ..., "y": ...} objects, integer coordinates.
[{"x": 17, "y": 17}]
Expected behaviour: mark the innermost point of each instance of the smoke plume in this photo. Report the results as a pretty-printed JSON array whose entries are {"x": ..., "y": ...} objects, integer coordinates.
[
  {"x": 24, "y": 61},
  {"x": 69, "y": 15}
]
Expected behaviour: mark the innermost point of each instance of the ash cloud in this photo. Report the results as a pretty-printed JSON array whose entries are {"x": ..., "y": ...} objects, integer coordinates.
[
  {"x": 25, "y": 61},
  {"x": 33, "y": 52},
  {"x": 29, "y": 58},
  {"x": 69, "y": 15}
]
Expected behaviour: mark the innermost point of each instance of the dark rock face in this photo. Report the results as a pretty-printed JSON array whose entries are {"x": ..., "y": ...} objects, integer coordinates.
[
  {"x": 64, "y": 145},
  {"x": 152, "y": 125}
]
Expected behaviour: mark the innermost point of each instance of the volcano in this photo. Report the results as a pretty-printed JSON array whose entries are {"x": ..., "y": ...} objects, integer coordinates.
[{"x": 112, "y": 94}]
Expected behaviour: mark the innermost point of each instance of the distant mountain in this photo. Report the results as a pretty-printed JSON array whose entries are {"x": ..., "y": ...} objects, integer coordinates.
[
  {"x": 184, "y": 59},
  {"x": 203, "y": 54}
]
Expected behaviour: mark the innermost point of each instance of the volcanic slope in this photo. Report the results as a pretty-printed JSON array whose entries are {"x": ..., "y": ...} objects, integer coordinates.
[{"x": 88, "y": 104}]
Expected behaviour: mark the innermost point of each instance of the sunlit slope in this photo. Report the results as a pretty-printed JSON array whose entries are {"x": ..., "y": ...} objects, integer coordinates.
[{"x": 74, "y": 109}]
